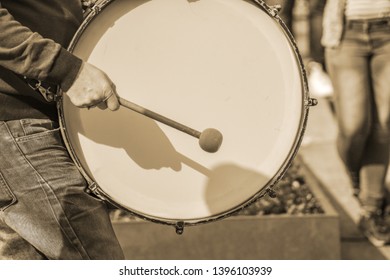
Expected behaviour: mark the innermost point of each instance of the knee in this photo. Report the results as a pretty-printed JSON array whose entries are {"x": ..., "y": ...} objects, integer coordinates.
[{"x": 354, "y": 133}]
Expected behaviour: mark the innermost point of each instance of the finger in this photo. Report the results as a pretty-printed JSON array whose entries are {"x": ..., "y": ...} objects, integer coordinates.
[{"x": 113, "y": 102}]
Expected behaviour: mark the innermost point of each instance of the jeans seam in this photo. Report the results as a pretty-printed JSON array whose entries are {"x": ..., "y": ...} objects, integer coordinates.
[
  {"x": 22, "y": 126},
  {"x": 7, "y": 189},
  {"x": 43, "y": 182},
  {"x": 35, "y": 136},
  {"x": 40, "y": 179}
]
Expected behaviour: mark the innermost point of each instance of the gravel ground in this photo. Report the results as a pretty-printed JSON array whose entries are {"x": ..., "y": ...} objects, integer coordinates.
[{"x": 293, "y": 196}]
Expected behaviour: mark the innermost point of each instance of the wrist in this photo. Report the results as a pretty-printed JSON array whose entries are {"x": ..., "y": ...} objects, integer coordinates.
[{"x": 65, "y": 69}]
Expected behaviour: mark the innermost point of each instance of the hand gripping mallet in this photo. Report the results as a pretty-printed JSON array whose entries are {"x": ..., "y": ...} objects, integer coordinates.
[{"x": 210, "y": 139}]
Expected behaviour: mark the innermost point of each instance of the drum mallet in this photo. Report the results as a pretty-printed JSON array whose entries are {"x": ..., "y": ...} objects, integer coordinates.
[{"x": 210, "y": 139}]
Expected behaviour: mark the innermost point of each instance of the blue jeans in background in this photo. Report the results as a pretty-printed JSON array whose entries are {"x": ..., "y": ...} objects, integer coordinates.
[
  {"x": 45, "y": 212},
  {"x": 360, "y": 72}
]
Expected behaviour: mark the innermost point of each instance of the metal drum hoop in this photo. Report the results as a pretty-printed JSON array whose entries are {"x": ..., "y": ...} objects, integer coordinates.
[{"x": 307, "y": 102}]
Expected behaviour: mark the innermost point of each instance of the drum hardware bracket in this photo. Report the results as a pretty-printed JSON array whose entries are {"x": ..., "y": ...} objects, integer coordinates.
[
  {"x": 275, "y": 9},
  {"x": 96, "y": 9},
  {"x": 92, "y": 189},
  {"x": 90, "y": 5},
  {"x": 45, "y": 91},
  {"x": 179, "y": 227},
  {"x": 271, "y": 193},
  {"x": 311, "y": 102}
]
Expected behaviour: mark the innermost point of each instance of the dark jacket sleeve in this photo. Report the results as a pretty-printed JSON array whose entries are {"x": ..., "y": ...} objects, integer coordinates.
[{"x": 29, "y": 54}]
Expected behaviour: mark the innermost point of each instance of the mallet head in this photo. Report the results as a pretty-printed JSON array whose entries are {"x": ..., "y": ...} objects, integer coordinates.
[{"x": 210, "y": 140}]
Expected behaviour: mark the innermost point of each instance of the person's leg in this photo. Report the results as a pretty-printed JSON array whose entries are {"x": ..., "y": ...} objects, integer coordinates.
[
  {"x": 349, "y": 71},
  {"x": 51, "y": 212},
  {"x": 13, "y": 246},
  {"x": 367, "y": 154},
  {"x": 316, "y": 10},
  {"x": 318, "y": 78},
  {"x": 376, "y": 157}
]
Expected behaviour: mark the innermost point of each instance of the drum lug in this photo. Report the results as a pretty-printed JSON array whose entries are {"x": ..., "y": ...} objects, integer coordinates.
[
  {"x": 179, "y": 227},
  {"x": 275, "y": 9},
  {"x": 93, "y": 189},
  {"x": 311, "y": 102},
  {"x": 90, "y": 6},
  {"x": 271, "y": 193},
  {"x": 96, "y": 9}
]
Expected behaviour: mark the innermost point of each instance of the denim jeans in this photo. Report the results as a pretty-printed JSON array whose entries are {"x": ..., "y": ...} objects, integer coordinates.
[
  {"x": 45, "y": 212},
  {"x": 360, "y": 71}
]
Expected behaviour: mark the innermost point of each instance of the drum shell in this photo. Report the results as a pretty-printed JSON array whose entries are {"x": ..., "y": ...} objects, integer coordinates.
[{"x": 198, "y": 161}]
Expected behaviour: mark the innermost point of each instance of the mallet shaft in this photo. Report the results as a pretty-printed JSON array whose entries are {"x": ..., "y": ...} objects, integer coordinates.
[{"x": 139, "y": 109}]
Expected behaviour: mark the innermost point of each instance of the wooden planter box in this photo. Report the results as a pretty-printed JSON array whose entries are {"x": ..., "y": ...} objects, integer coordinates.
[{"x": 265, "y": 237}]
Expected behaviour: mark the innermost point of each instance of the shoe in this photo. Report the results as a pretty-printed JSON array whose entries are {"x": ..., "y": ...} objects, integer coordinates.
[
  {"x": 375, "y": 229},
  {"x": 386, "y": 215}
]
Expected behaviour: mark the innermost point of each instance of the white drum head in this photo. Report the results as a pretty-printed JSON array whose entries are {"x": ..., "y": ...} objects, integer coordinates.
[{"x": 224, "y": 64}]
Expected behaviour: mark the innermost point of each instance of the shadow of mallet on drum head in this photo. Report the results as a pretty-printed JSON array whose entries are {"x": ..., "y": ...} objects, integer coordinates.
[{"x": 149, "y": 147}]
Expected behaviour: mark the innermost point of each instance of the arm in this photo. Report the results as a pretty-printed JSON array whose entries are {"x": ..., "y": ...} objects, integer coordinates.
[{"x": 29, "y": 54}]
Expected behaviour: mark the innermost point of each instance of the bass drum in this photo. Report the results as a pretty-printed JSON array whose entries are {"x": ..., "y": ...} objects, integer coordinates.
[{"x": 227, "y": 64}]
